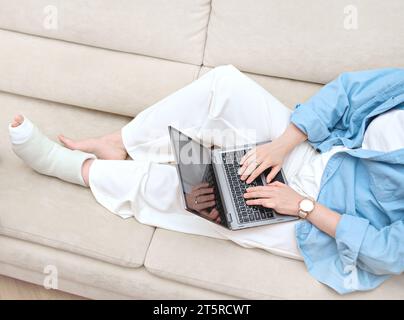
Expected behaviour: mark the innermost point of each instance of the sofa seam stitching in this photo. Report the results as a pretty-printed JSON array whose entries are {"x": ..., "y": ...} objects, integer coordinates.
[{"x": 206, "y": 35}]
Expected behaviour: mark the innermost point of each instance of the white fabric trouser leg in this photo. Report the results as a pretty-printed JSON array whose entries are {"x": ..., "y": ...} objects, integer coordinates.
[{"x": 222, "y": 101}]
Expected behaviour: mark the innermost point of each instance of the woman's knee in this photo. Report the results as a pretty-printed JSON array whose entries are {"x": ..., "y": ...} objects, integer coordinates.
[
  {"x": 226, "y": 71},
  {"x": 228, "y": 79}
]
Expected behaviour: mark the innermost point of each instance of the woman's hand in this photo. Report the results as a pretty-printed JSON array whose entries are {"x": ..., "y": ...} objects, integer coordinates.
[
  {"x": 270, "y": 155},
  {"x": 276, "y": 195},
  {"x": 284, "y": 200},
  {"x": 257, "y": 160},
  {"x": 202, "y": 200}
]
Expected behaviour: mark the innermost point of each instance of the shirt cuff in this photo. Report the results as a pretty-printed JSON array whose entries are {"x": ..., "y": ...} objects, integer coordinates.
[
  {"x": 349, "y": 236},
  {"x": 310, "y": 123}
]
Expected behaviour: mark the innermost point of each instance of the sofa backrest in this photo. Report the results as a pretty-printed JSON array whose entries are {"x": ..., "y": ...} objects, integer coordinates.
[
  {"x": 310, "y": 40},
  {"x": 173, "y": 30},
  {"x": 122, "y": 56}
]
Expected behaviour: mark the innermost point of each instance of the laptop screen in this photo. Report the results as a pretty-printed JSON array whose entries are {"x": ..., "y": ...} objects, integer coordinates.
[{"x": 197, "y": 177}]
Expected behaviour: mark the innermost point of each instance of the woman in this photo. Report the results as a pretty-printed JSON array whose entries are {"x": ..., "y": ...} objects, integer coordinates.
[{"x": 344, "y": 148}]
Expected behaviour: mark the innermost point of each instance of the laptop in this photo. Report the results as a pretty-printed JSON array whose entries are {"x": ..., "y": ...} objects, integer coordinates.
[{"x": 211, "y": 185}]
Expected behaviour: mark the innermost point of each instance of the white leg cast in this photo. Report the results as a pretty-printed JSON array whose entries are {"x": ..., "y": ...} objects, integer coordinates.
[{"x": 46, "y": 156}]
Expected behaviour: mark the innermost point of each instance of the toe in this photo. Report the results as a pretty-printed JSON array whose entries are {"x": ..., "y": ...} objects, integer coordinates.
[
  {"x": 18, "y": 120},
  {"x": 66, "y": 142}
]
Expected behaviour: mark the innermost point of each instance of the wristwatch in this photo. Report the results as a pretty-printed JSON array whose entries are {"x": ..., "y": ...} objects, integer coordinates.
[{"x": 306, "y": 206}]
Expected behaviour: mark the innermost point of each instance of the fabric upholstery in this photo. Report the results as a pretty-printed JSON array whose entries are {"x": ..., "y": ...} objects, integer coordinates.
[
  {"x": 223, "y": 266},
  {"x": 157, "y": 28},
  {"x": 121, "y": 57},
  {"x": 46, "y": 210},
  {"x": 305, "y": 40},
  {"x": 85, "y": 76},
  {"x": 90, "y": 277}
]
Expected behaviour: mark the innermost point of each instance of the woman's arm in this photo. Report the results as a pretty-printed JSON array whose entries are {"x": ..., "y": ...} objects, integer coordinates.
[
  {"x": 292, "y": 137},
  {"x": 283, "y": 199}
]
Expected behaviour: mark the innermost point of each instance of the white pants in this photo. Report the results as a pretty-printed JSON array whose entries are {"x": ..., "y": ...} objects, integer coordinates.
[{"x": 222, "y": 100}]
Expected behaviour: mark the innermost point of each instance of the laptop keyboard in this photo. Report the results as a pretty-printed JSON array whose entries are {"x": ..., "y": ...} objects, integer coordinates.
[{"x": 246, "y": 213}]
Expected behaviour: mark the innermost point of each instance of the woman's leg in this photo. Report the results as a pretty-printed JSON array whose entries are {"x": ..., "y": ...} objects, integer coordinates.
[
  {"x": 223, "y": 106},
  {"x": 46, "y": 156},
  {"x": 108, "y": 147},
  {"x": 150, "y": 192}
]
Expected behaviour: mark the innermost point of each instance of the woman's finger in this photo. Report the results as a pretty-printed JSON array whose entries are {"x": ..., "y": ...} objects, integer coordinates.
[
  {"x": 247, "y": 172},
  {"x": 253, "y": 158},
  {"x": 205, "y": 205},
  {"x": 260, "y": 169},
  {"x": 247, "y": 155},
  {"x": 258, "y": 194},
  {"x": 211, "y": 215},
  {"x": 206, "y": 198},
  {"x": 255, "y": 202},
  {"x": 250, "y": 167},
  {"x": 214, "y": 214},
  {"x": 260, "y": 188},
  {"x": 199, "y": 186},
  {"x": 277, "y": 184},
  {"x": 261, "y": 202},
  {"x": 273, "y": 173},
  {"x": 203, "y": 191},
  {"x": 246, "y": 164}
]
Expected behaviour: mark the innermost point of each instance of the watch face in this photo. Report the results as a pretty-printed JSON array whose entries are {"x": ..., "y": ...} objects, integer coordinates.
[{"x": 306, "y": 205}]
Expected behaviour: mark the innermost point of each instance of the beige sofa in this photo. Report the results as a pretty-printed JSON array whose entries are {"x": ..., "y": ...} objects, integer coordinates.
[{"x": 86, "y": 68}]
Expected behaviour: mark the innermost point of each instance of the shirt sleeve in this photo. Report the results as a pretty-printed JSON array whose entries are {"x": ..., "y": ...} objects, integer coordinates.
[
  {"x": 318, "y": 116},
  {"x": 341, "y": 103},
  {"x": 380, "y": 252}
]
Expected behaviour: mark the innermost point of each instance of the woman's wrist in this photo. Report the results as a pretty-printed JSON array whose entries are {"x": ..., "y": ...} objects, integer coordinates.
[
  {"x": 324, "y": 219},
  {"x": 291, "y": 137}
]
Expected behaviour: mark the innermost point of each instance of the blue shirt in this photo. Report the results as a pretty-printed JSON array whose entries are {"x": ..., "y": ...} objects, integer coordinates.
[{"x": 366, "y": 187}]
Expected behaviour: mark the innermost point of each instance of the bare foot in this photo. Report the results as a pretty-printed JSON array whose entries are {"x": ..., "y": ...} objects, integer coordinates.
[
  {"x": 108, "y": 147},
  {"x": 18, "y": 119}
]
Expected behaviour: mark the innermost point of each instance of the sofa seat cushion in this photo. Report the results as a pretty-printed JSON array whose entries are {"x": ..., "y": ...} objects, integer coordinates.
[
  {"x": 158, "y": 28},
  {"x": 50, "y": 212},
  {"x": 89, "y": 277},
  {"x": 312, "y": 40},
  {"x": 223, "y": 266}
]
